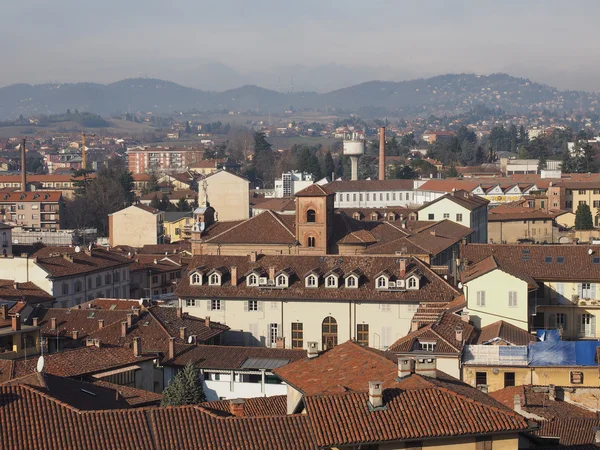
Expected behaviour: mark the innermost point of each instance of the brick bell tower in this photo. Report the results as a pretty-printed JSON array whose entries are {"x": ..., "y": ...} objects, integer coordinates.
[{"x": 314, "y": 219}]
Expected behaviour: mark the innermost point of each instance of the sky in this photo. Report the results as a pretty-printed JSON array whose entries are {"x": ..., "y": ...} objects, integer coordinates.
[{"x": 304, "y": 45}]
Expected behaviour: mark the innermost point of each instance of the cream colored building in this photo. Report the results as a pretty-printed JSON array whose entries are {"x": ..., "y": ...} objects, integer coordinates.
[
  {"x": 310, "y": 298},
  {"x": 136, "y": 226},
  {"x": 228, "y": 194}
]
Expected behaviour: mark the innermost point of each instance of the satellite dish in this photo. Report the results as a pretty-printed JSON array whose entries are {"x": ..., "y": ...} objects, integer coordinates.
[
  {"x": 40, "y": 364},
  {"x": 190, "y": 340},
  {"x": 590, "y": 251},
  {"x": 77, "y": 249},
  {"x": 460, "y": 285}
]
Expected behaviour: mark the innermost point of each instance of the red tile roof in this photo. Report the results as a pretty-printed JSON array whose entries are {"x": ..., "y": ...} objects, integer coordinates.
[
  {"x": 504, "y": 331},
  {"x": 257, "y": 406},
  {"x": 573, "y": 431},
  {"x": 27, "y": 292},
  {"x": 315, "y": 190},
  {"x": 369, "y": 185},
  {"x": 31, "y": 196},
  {"x": 462, "y": 198},
  {"x": 65, "y": 261}
]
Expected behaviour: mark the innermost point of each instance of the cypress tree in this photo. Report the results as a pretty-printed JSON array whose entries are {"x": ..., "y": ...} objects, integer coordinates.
[
  {"x": 185, "y": 388},
  {"x": 583, "y": 218}
]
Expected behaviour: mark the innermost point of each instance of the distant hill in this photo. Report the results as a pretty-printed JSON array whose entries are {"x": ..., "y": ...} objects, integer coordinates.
[{"x": 444, "y": 94}]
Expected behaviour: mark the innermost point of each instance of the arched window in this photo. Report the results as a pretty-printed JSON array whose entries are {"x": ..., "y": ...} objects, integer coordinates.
[
  {"x": 196, "y": 278},
  {"x": 329, "y": 332},
  {"x": 331, "y": 281},
  {"x": 311, "y": 215},
  {"x": 351, "y": 282},
  {"x": 252, "y": 280},
  {"x": 281, "y": 280},
  {"x": 374, "y": 216},
  {"x": 311, "y": 281},
  {"x": 214, "y": 279},
  {"x": 310, "y": 242},
  {"x": 412, "y": 283},
  {"x": 381, "y": 282}
]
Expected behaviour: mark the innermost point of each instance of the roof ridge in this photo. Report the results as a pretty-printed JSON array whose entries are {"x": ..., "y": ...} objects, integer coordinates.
[
  {"x": 426, "y": 268},
  {"x": 276, "y": 216},
  {"x": 233, "y": 227},
  {"x": 160, "y": 324}
]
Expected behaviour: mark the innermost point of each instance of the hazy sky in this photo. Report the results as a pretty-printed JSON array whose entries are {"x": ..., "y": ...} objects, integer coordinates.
[{"x": 324, "y": 43}]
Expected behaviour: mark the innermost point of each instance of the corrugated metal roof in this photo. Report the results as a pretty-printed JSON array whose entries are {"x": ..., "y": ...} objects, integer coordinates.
[{"x": 263, "y": 363}]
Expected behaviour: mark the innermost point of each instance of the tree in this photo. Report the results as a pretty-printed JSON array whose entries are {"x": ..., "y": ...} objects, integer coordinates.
[
  {"x": 583, "y": 218},
  {"x": 405, "y": 173},
  {"x": 264, "y": 160},
  {"x": 328, "y": 164},
  {"x": 183, "y": 205},
  {"x": 155, "y": 202},
  {"x": 452, "y": 172},
  {"x": 184, "y": 389}
]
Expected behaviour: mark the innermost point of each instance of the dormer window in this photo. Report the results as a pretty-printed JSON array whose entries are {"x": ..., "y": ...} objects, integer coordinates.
[
  {"x": 281, "y": 281},
  {"x": 356, "y": 216},
  {"x": 252, "y": 280},
  {"x": 196, "y": 279},
  {"x": 427, "y": 346},
  {"x": 413, "y": 283},
  {"x": 374, "y": 216},
  {"x": 214, "y": 280},
  {"x": 331, "y": 281},
  {"x": 352, "y": 281},
  {"x": 382, "y": 282},
  {"x": 312, "y": 281}
]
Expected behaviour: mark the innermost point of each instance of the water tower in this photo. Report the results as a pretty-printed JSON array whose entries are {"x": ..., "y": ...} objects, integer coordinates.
[{"x": 354, "y": 147}]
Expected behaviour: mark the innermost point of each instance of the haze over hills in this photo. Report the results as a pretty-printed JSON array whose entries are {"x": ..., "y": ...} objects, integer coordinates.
[{"x": 444, "y": 94}]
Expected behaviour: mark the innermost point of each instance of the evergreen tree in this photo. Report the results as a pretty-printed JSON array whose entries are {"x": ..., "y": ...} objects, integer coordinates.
[
  {"x": 184, "y": 389},
  {"x": 542, "y": 163},
  {"x": 452, "y": 172},
  {"x": 155, "y": 202},
  {"x": 182, "y": 205},
  {"x": 583, "y": 218},
  {"x": 264, "y": 161},
  {"x": 328, "y": 164}
]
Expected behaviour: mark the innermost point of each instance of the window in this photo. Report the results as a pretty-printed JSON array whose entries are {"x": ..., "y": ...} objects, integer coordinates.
[
  {"x": 252, "y": 280},
  {"x": 98, "y": 281},
  {"x": 385, "y": 307},
  {"x": 581, "y": 191},
  {"x": 596, "y": 191},
  {"x": 576, "y": 377},
  {"x": 427, "y": 346},
  {"x": 353, "y": 197},
  {"x": 557, "y": 320},
  {"x": 362, "y": 334},
  {"x": 196, "y": 278},
  {"x": 512, "y": 299},
  {"x": 347, "y": 197},
  {"x": 107, "y": 278},
  {"x": 331, "y": 281},
  {"x": 34, "y": 216},
  {"x": 588, "y": 325},
  {"x": 273, "y": 333},
  {"x": 560, "y": 260},
  {"x": 297, "y": 335},
  {"x": 548, "y": 259},
  {"x": 281, "y": 280},
  {"x": 412, "y": 283},
  {"x": 65, "y": 289},
  {"x": 387, "y": 197},
  {"x": 78, "y": 286},
  {"x": 459, "y": 217},
  {"x": 311, "y": 281},
  {"x": 381, "y": 196},
  {"x": 509, "y": 379},
  {"x": 568, "y": 204},
  {"x": 382, "y": 282},
  {"x": 430, "y": 216},
  {"x": 118, "y": 276},
  {"x": 480, "y": 298},
  {"x": 310, "y": 242},
  {"x": 329, "y": 330},
  {"x": 393, "y": 196},
  {"x": 596, "y": 203},
  {"x": 367, "y": 197},
  {"x": 480, "y": 378},
  {"x": 351, "y": 282},
  {"x": 190, "y": 302},
  {"x": 587, "y": 290},
  {"x": 484, "y": 443},
  {"x": 89, "y": 282},
  {"x": 215, "y": 305},
  {"x": 311, "y": 216},
  {"x": 582, "y": 202},
  {"x": 214, "y": 280},
  {"x": 407, "y": 196},
  {"x": 446, "y": 215},
  {"x": 596, "y": 260},
  {"x": 252, "y": 305}
]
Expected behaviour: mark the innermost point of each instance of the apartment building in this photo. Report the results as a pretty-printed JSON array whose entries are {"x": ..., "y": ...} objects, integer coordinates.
[
  {"x": 66, "y": 184},
  {"x": 33, "y": 210},
  {"x": 371, "y": 193},
  {"x": 162, "y": 159},
  {"x": 136, "y": 226}
]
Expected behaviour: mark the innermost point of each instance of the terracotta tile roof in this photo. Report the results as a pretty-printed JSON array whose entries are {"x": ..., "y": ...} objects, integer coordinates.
[
  {"x": 65, "y": 261},
  {"x": 504, "y": 331},
  {"x": 147, "y": 208},
  {"x": 573, "y": 431},
  {"x": 315, "y": 190},
  {"x": 274, "y": 229},
  {"x": 6, "y": 370},
  {"x": 113, "y": 304},
  {"x": 490, "y": 264},
  {"x": 256, "y": 406},
  {"x": 31, "y": 196},
  {"x": 540, "y": 262},
  {"x": 156, "y": 265},
  {"x": 518, "y": 212},
  {"x": 442, "y": 332},
  {"x": 79, "y": 362},
  {"x": 536, "y": 400},
  {"x": 369, "y": 185},
  {"x": 135, "y": 398},
  {"x": 194, "y": 326},
  {"x": 428, "y": 313},
  {"x": 186, "y": 194},
  {"x": 84, "y": 321},
  {"x": 27, "y": 292},
  {"x": 462, "y": 198},
  {"x": 274, "y": 204},
  {"x": 448, "y": 184},
  {"x": 432, "y": 287},
  {"x": 163, "y": 249},
  {"x": 229, "y": 357}
]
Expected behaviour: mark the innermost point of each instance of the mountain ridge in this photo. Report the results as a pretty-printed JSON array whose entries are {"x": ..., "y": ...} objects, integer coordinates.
[{"x": 445, "y": 94}]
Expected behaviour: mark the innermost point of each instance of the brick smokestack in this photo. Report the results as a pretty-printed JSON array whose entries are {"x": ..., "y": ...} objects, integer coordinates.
[
  {"x": 382, "y": 153},
  {"x": 23, "y": 167}
]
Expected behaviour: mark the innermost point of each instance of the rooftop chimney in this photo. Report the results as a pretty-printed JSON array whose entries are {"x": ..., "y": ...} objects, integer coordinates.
[
  {"x": 100, "y": 324},
  {"x": 271, "y": 273},
  {"x": 124, "y": 328},
  {"x": 35, "y": 321},
  {"x": 171, "y": 347},
  {"x": 280, "y": 342},
  {"x": 4, "y": 311},
  {"x": 376, "y": 394},
  {"x": 137, "y": 346},
  {"x": 426, "y": 367},
  {"x": 402, "y": 268},
  {"x": 207, "y": 321},
  {"x": 465, "y": 316},
  {"x": 234, "y": 275},
  {"x": 16, "y": 322},
  {"x": 552, "y": 392},
  {"x": 16, "y": 285},
  {"x": 253, "y": 257},
  {"x": 23, "y": 167},
  {"x": 517, "y": 403},
  {"x": 236, "y": 407},
  {"x": 53, "y": 323},
  {"x": 98, "y": 343},
  {"x": 405, "y": 367},
  {"x": 136, "y": 312},
  {"x": 182, "y": 334},
  {"x": 75, "y": 334},
  {"x": 458, "y": 334},
  {"x": 382, "y": 153},
  {"x": 313, "y": 349},
  {"x": 179, "y": 312},
  {"x": 129, "y": 320}
]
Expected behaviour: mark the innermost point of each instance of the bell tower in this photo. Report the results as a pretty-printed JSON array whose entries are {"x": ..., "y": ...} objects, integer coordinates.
[{"x": 314, "y": 219}]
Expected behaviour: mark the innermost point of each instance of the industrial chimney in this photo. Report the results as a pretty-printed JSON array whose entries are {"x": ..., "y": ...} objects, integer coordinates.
[
  {"x": 382, "y": 153},
  {"x": 23, "y": 167}
]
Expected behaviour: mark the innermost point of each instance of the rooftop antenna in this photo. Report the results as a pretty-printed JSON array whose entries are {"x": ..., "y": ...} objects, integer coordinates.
[{"x": 40, "y": 363}]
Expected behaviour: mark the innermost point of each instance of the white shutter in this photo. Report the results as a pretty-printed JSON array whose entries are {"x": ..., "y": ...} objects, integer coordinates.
[
  {"x": 580, "y": 290},
  {"x": 209, "y": 305},
  {"x": 593, "y": 286}
]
